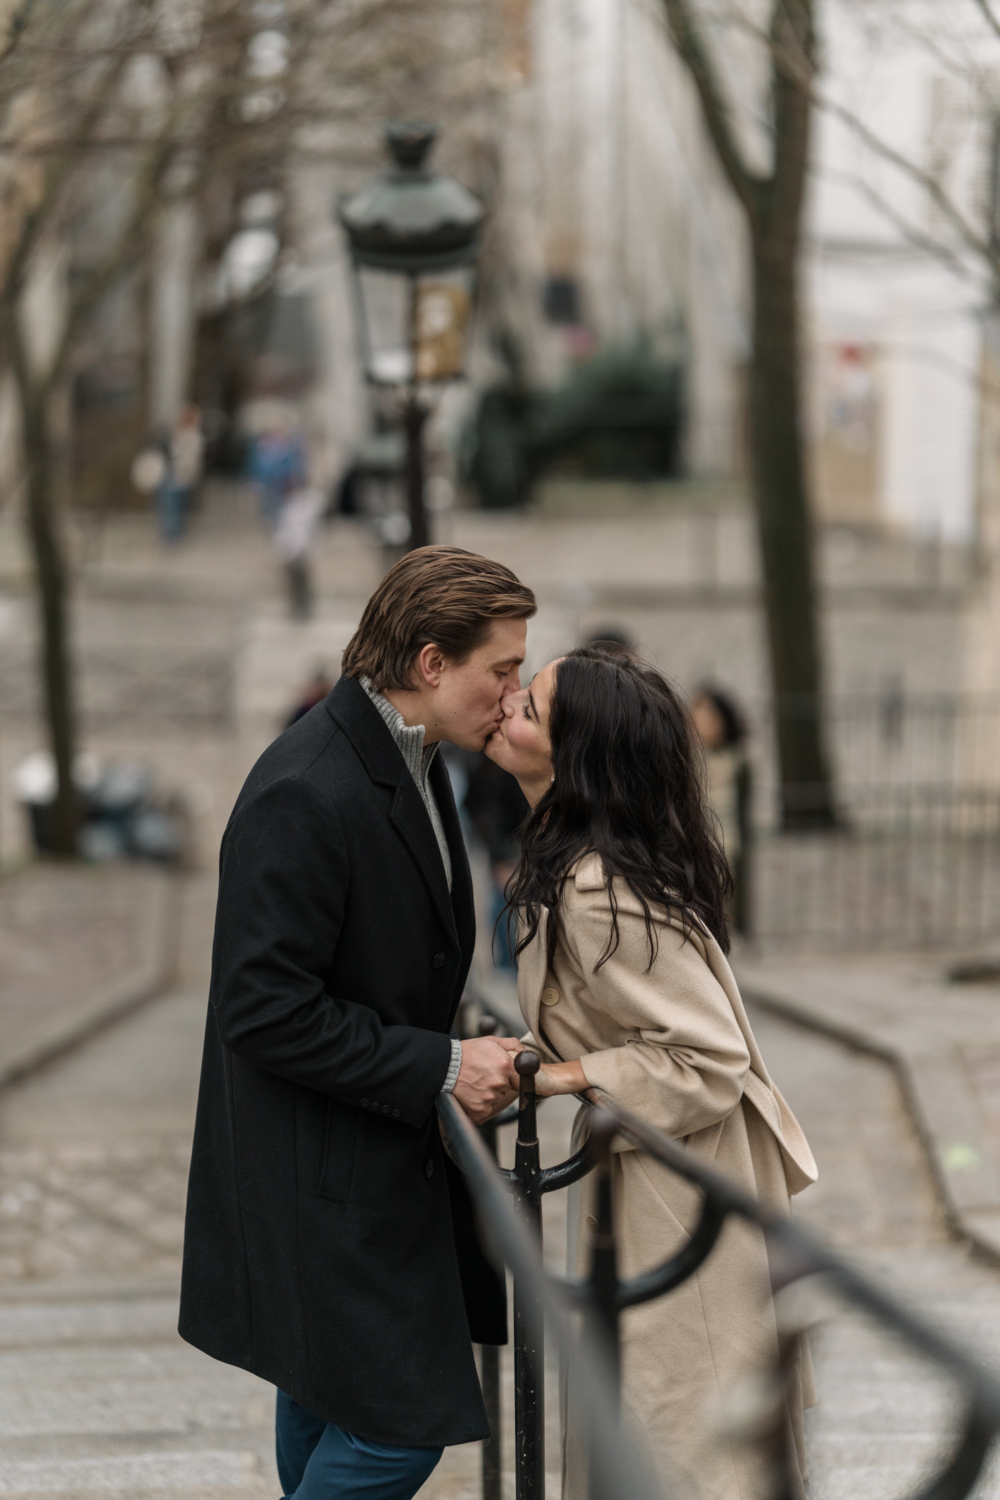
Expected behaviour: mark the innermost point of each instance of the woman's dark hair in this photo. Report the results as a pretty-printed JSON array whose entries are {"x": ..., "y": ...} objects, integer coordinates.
[{"x": 627, "y": 787}]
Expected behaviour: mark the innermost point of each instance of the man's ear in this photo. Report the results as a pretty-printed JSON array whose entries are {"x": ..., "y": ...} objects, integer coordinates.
[{"x": 430, "y": 665}]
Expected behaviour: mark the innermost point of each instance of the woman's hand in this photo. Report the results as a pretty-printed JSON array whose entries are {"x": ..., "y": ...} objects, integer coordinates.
[{"x": 561, "y": 1078}]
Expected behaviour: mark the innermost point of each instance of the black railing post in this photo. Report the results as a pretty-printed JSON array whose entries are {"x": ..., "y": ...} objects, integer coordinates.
[
  {"x": 529, "y": 1350},
  {"x": 489, "y": 1354},
  {"x": 602, "y": 1306},
  {"x": 617, "y": 1468},
  {"x": 603, "y": 1284}
]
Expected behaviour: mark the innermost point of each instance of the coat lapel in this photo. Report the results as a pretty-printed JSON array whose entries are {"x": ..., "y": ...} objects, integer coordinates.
[
  {"x": 462, "y": 897},
  {"x": 361, "y": 721},
  {"x": 410, "y": 818}
]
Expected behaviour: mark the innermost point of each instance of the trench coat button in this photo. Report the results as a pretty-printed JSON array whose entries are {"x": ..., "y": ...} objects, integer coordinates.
[
  {"x": 550, "y": 997},
  {"x": 428, "y": 1168},
  {"x": 395, "y": 1114},
  {"x": 591, "y": 1221},
  {"x": 439, "y": 960},
  {"x": 364, "y": 1104}
]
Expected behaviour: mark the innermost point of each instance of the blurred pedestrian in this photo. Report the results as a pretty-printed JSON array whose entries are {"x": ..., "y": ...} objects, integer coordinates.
[
  {"x": 183, "y": 453},
  {"x": 276, "y": 464},
  {"x": 496, "y": 808},
  {"x": 315, "y": 690},
  {"x": 294, "y": 533},
  {"x": 611, "y": 635},
  {"x": 722, "y": 731}
]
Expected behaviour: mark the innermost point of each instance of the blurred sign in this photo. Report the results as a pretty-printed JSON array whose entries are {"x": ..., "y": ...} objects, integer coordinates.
[
  {"x": 849, "y": 395},
  {"x": 846, "y": 446},
  {"x": 442, "y": 317}
]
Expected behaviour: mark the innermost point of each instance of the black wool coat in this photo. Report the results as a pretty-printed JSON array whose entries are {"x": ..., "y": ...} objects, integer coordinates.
[{"x": 329, "y": 1244}]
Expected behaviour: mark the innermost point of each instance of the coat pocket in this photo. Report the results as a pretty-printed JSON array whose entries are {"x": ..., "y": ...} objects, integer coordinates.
[{"x": 340, "y": 1148}]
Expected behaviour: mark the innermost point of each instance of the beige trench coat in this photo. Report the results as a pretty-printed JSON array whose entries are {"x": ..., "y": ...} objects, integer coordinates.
[{"x": 674, "y": 1046}]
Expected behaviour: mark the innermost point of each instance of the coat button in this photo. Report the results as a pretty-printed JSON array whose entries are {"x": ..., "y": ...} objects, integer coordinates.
[
  {"x": 428, "y": 1168},
  {"x": 439, "y": 960},
  {"x": 387, "y": 1109},
  {"x": 395, "y": 1114},
  {"x": 550, "y": 997},
  {"x": 591, "y": 1221},
  {"x": 364, "y": 1104}
]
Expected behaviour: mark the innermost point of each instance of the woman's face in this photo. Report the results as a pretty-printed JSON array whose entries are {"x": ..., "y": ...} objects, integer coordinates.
[
  {"x": 710, "y": 724},
  {"x": 521, "y": 744}
]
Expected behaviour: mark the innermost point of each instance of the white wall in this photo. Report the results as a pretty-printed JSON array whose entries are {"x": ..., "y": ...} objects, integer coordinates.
[{"x": 886, "y": 268}]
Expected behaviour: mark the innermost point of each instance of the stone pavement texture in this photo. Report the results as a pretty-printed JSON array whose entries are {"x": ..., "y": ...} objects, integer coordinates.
[
  {"x": 943, "y": 1040},
  {"x": 78, "y": 946},
  {"x": 190, "y": 662},
  {"x": 99, "y": 1398}
]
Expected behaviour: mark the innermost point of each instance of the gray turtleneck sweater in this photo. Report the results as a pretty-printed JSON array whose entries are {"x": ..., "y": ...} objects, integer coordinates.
[{"x": 419, "y": 759}]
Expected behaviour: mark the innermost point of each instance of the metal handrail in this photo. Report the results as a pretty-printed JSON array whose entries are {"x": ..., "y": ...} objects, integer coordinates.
[{"x": 510, "y": 1204}]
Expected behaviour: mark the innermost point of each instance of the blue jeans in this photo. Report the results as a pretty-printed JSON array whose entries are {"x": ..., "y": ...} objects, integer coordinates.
[
  {"x": 317, "y": 1461},
  {"x": 172, "y": 503}
]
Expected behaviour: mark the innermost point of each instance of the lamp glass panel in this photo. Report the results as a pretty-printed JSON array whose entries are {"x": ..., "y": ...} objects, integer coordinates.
[
  {"x": 442, "y": 317},
  {"x": 386, "y": 302}
]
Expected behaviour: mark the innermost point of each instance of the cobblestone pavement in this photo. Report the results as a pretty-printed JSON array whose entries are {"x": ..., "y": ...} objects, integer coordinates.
[
  {"x": 71, "y": 939},
  {"x": 98, "y": 1397}
]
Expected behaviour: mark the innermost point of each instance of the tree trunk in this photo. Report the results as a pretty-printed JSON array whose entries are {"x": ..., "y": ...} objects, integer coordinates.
[
  {"x": 785, "y": 528},
  {"x": 51, "y": 572},
  {"x": 773, "y": 205}
]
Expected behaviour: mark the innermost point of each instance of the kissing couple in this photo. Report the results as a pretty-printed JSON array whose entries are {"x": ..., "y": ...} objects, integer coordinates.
[{"x": 331, "y": 1245}]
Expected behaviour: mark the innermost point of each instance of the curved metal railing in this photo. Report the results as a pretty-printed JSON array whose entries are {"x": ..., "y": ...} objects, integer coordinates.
[{"x": 509, "y": 1203}]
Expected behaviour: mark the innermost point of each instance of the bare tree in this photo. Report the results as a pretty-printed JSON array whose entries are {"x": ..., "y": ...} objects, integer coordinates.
[
  {"x": 772, "y": 202},
  {"x": 110, "y": 112}
]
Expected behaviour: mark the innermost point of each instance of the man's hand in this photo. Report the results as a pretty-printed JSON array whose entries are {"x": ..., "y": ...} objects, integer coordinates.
[{"x": 486, "y": 1080}]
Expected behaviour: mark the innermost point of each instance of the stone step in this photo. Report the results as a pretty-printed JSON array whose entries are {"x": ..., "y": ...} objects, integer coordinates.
[{"x": 195, "y": 1476}]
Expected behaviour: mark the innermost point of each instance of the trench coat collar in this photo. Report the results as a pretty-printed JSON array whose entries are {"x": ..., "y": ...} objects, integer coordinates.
[{"x": 349, "y": 706}]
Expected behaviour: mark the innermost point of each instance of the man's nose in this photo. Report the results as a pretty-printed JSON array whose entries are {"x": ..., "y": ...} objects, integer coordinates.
[{"x": 508, "y": 704}]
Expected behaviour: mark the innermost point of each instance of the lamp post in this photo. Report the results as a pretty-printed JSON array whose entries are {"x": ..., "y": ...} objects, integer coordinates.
[{"x": 413, "y": 239}]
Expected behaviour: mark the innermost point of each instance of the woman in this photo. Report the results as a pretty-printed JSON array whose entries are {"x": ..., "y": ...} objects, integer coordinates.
[{"x": 621, "y": 897}]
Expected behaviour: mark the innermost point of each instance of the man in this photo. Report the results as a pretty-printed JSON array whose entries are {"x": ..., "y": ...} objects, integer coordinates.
[
  {"x": 330, "y": 1245},
  {"x": 184, "y": 455}
]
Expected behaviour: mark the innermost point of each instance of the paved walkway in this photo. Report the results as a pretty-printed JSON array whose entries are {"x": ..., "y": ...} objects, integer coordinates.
[
  {"x": 943, "y": 1040},
  {"x": 78, "y": 945},
  {"x": 99, "y": 1398}
]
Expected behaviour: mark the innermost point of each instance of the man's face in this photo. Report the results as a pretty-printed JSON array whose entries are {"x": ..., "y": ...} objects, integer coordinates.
[{"x": 467, "y": 700}]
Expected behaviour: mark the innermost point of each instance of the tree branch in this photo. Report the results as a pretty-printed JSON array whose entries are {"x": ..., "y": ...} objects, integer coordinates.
[
  {"x": 790, "y": 61},
  {"x": 990, "y": 18},
  {"x": 930, "y": 184},
  {"x": 683, "y": 28},
  {"x": 910, "y": 232}
]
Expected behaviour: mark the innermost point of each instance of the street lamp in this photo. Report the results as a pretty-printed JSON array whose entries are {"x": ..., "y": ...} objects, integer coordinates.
[{"x": 413, "y": 239}]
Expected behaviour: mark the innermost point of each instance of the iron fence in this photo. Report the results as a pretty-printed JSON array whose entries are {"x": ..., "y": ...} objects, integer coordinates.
[
  {"x": 509, "y": 1203},
  {"x": 914, "y": 855}
]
